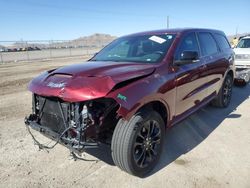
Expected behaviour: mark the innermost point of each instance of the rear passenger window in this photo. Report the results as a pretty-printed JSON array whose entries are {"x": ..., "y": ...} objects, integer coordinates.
[
  {"x": 222, "y": 41},
  {"x": 208, "y": 44}
]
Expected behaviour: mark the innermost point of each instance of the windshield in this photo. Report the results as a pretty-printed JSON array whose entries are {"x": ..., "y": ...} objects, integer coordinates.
[
  {"x": 244, "y": 43},
  {"x": 142, "y": 48}
]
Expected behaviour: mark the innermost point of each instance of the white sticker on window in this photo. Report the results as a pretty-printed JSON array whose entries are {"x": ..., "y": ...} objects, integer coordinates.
[{"x": 157, "y": 39}]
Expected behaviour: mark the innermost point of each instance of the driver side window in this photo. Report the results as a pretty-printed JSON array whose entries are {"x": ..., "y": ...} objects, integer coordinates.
[{"x": 188, "y": 43}]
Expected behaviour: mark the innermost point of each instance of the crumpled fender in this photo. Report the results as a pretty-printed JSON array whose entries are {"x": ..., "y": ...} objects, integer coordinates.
[{"x": 143, "y": 91}]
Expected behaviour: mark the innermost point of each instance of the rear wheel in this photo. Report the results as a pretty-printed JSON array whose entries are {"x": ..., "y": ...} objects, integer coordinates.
[
  {"x": 224, "y": 97},
  {"x": 137, "y": 143}
]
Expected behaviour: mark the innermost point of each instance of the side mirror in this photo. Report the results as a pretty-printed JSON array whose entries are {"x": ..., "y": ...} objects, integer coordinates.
[{"x": 187, "y": 57}]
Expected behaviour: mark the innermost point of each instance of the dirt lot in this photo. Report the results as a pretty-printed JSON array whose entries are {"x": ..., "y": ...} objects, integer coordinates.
[{"x": 209, "y": 149}]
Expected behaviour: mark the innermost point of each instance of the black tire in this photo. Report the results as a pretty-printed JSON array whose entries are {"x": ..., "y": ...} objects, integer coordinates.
[
  {"x": 224, "y": 96},
  {"x": 137, "y": 144}
]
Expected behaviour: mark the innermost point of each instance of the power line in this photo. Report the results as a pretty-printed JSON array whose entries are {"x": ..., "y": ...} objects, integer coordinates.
[{"x": 80, "y": 9}]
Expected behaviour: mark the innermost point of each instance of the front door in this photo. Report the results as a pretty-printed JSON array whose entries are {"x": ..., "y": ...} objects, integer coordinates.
[{"x": 189, "y": 80}]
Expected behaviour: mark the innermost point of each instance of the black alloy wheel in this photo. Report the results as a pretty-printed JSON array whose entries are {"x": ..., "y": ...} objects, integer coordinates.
[{"x": 137, "y": 144}]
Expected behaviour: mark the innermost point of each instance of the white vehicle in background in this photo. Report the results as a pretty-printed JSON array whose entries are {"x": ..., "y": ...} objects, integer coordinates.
[{"x": 242, "y": 61}]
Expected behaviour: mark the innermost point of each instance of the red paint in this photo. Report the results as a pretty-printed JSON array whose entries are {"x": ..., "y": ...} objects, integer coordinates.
[
  {"x": 89, "y": 80},
  {"x": 181, "y": 89}
]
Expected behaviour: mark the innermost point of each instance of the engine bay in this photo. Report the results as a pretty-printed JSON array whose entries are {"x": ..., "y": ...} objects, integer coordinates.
[{"x": 77, "y": 125}]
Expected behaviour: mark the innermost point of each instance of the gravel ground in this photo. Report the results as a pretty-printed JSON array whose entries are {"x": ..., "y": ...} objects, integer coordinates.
[{"x": 211, "y": 148}]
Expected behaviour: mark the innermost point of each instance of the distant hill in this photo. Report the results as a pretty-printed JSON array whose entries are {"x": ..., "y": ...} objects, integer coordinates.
[{"x": 95, "y": 40}]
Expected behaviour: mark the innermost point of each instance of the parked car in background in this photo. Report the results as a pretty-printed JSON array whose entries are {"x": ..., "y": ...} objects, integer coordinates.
[
  {"x": 20, "y": 49},
  {"x": 3, "y": 49},
  {"x": 242, "y": 60},
  {"x": 133, "y": 89}
]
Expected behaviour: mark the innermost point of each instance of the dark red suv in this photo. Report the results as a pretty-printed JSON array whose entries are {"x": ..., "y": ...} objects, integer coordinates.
[{"x": 134, "y": 89}]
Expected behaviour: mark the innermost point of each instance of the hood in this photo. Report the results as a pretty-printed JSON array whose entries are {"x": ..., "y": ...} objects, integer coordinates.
[
  {"x": 242, "y": 50},
  {"x": 89, "y": 80}
]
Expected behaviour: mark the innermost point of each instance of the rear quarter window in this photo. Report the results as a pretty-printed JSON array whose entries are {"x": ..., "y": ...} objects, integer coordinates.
[
  {"x": 222, "y": 42},
  {"x": 207, "y": 43}
]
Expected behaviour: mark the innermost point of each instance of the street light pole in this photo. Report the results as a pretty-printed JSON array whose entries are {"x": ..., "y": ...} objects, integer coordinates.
[{"x": 168, "y": 22}]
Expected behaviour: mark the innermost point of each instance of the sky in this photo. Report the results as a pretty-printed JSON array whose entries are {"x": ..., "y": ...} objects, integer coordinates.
[{"x": 66, "y": 20}]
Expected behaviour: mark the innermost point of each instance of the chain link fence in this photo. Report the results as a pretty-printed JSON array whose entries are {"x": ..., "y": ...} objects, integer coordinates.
[{"x": 15, "y": 51}]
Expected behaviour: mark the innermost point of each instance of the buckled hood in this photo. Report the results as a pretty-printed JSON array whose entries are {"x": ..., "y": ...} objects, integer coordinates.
[{"x": 88, "y": 80}]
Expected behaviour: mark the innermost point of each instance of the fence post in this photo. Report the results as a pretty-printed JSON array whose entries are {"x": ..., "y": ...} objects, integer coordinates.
[
  {"x": 1, "y": 57},
  {"x": 27, "y": 50},
  {"x": 87, "y": 47},
  {"x": 70, "y": 46},
  {"x": 50, "y": 52}
]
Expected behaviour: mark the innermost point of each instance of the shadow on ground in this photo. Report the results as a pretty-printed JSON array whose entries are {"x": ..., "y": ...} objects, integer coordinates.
[{"x": 186, "y": 135}]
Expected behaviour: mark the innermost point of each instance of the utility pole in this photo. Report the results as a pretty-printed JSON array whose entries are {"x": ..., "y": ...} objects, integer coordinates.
[
  {"x": 168, "y": 22},
  {"x": 236, "y": 32}
]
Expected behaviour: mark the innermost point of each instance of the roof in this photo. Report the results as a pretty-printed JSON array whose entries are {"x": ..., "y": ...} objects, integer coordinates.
[
  {"x": 176, "y": 31},
  {"x": 246, "y": 37}
]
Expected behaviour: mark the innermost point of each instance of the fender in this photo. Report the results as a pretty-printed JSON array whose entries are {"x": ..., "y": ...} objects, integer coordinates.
[{"x": 139, "y": 93}]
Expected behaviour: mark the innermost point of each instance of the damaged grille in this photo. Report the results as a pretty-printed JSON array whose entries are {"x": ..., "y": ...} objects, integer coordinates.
[
  {"x": 77, "y": 125},
  {"x": 58, "y": 115},
  {"x": 51, "y": 116}
]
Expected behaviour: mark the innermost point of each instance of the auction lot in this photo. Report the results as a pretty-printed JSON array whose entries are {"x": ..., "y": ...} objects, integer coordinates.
[
  {"x": 209, "y": 149},
  {"x": 45, "y": 54}
]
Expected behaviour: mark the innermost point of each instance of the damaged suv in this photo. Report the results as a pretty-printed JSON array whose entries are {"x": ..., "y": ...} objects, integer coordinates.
[{"x": 134, "y": 89}]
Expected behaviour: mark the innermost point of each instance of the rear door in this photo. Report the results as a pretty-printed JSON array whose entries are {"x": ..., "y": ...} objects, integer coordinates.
[
  {"x": 189, "y": 80},
  {"x": 214, "y": 63}
]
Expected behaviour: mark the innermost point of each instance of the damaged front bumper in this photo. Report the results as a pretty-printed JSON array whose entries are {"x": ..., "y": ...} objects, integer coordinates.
[
  {"x": 73, "y": 145},
  {"x": 77, "y": 126},
  {"x": 242, "y": 75}
]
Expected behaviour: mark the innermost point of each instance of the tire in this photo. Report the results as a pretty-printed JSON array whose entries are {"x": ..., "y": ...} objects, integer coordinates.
[
  {"x": 224, "y": 96},
  {"x": 137, "y": 144}
]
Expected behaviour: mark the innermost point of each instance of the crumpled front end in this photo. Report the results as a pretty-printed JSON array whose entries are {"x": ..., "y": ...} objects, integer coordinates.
[
  {"x": 77, "y": 125},
  {"x": 79, "y": 104},
  {"x": 70, "y": 88}
]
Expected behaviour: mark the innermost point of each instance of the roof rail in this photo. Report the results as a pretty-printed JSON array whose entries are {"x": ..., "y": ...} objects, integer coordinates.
[{"x": 248, "y": 35}]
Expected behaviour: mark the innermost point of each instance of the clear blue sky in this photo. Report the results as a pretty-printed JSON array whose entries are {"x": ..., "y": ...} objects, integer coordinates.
[{"x": 60, "y": 19}]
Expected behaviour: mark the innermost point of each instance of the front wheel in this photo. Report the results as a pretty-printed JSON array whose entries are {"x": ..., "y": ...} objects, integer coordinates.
[
  {"x": 137, "y": 144},
  {"x": 224, "y": 96}
]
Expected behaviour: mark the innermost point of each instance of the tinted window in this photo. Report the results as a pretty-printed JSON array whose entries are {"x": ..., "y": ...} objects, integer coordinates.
[
  {"x": 188, "y": 43},
  {"x": 208, "y": 44},
  {"x": 222, "y": 41},
  {"x": 137, "y": 48},
  {"x": 122, "y": 49},
  {"x": 244, "y": 43}
]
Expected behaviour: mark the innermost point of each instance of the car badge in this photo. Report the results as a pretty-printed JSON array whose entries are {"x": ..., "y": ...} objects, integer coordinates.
[{"x": 55, "y": 85}]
